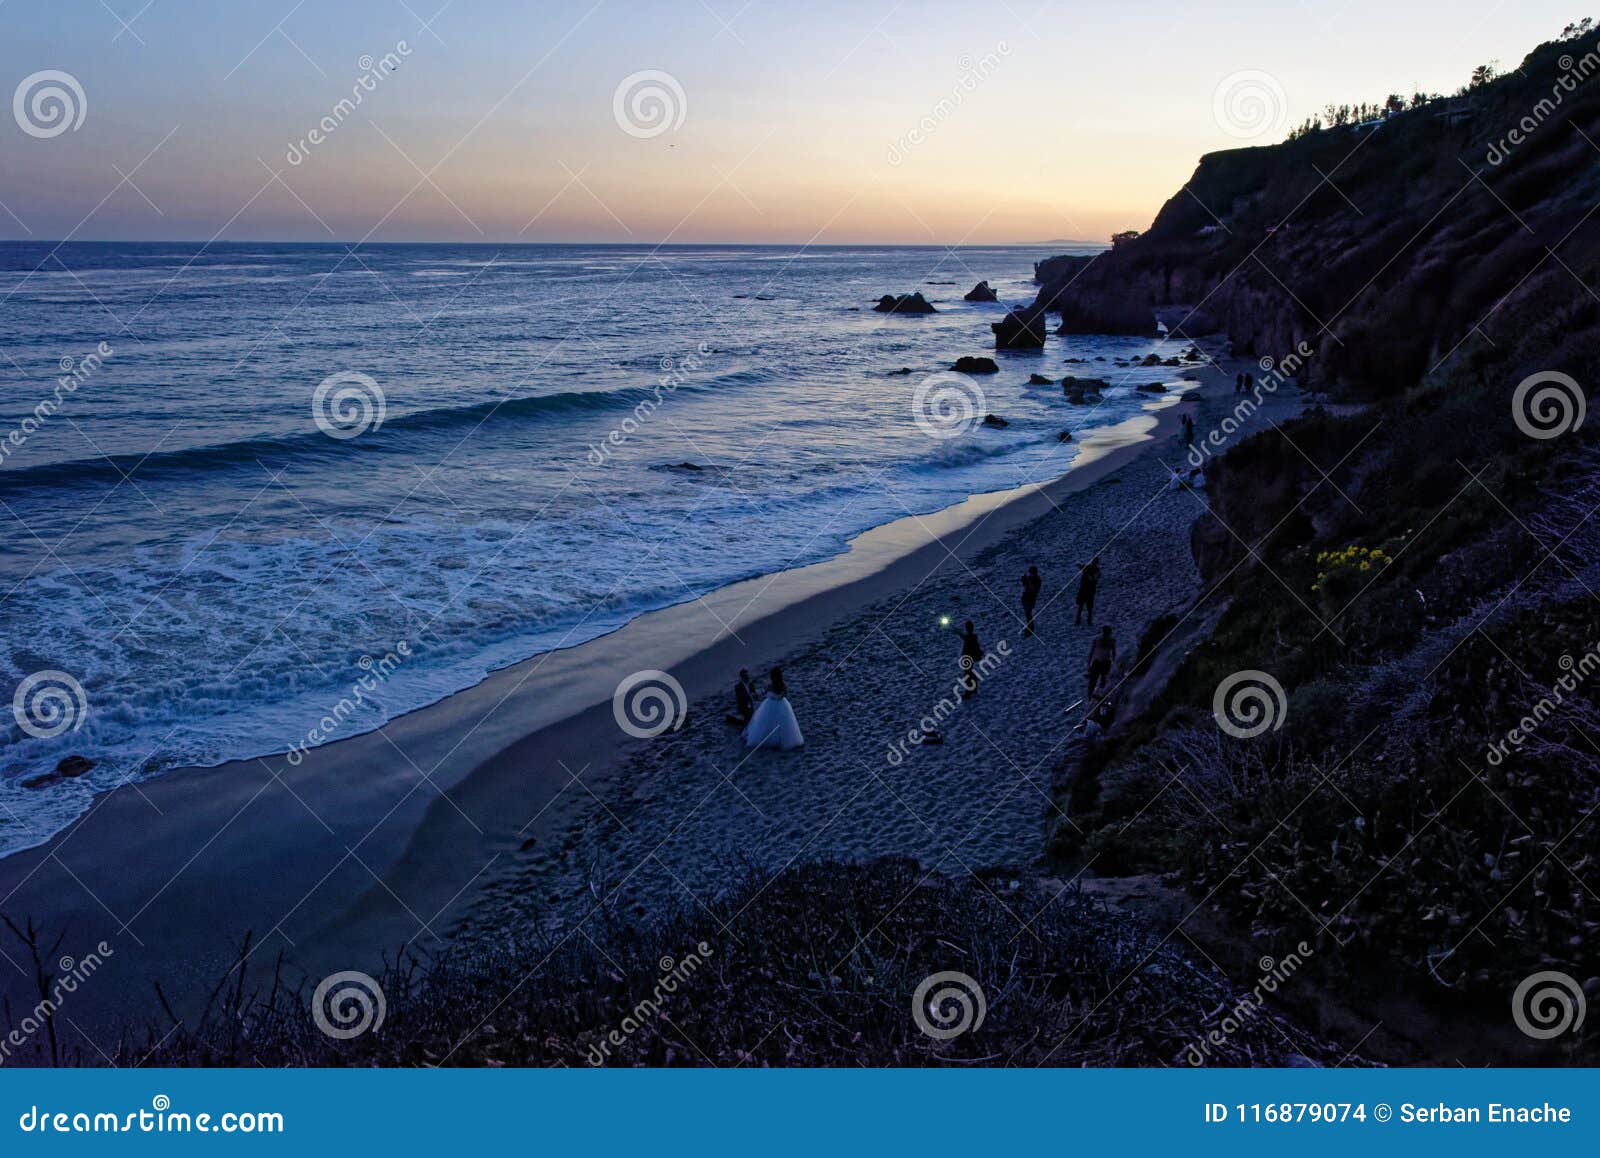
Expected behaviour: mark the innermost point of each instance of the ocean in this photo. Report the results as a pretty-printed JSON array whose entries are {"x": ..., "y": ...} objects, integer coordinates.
[{"x": 239, "y": 479}]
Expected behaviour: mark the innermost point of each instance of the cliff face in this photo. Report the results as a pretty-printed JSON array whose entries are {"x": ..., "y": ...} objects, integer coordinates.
[
  {"x": 1414, "y": 575},
  {"x": 1381, "y": 247}
]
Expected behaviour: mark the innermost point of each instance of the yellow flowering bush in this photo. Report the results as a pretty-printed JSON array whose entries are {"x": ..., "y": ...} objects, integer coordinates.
[{"x": 1343, "y": 574}]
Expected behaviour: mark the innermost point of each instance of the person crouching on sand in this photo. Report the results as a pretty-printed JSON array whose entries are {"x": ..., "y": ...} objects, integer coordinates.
[{"x": 744, "y": 699}]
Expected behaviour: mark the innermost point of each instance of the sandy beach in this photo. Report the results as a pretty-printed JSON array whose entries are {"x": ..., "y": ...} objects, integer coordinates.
[{"x": 520, "y": 804}]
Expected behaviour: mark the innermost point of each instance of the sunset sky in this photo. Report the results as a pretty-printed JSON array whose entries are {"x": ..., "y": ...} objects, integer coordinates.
[{"x": 1063, "y": 120}]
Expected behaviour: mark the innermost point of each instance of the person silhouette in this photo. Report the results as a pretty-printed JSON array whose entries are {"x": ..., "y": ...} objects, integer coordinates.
[
  {"x": 1032, "y": 584},
  {"x": 744, "y": 699},
  {"x": 1102, "y": 654},
  {"x": 1088, "y": 584},
  {"x": 971, "y": 656}
]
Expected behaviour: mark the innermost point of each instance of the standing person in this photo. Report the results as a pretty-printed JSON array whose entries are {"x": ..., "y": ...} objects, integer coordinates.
[
  {"x": 1249, "y": 383},
  {"x": 1088, "y": 583},
  {"x": 1238, "y": 382},
  {"x": 1032, "y": 583},
  {"x": 971, "y": 656},
  {"x": 774, "y": 724},
  {"x": 1102, "y": 654},
  {"x": 1188, "y": 430}
]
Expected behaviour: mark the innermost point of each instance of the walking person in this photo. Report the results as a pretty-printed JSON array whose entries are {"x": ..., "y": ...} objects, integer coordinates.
[
  {"x": 1088, "y": 584},
  {"x": 1032, "y": 584},
  {"x": 971, "y": 656},
  {"x": 1102, "y": 654}
]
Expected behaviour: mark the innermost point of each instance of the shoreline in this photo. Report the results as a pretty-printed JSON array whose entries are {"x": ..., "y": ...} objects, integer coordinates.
[{"x": 292, "y": 853}]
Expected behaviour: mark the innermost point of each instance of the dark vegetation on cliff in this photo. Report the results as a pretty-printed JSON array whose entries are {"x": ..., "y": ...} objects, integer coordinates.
[
  {"x": 814, "y": 966},
  {"x": 1417, "y": 572}
]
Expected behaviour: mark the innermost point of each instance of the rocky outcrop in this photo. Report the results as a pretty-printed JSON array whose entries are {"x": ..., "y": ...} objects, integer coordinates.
[
  {"x": 912, "y": 303},
  {"x": 970, "y": 365},
  {"x": 1316, "y": 241},
  {"x": 980, "y": 293},
  {"x": 1022, "y": 329},
  {"x": 70, "y": 768}
]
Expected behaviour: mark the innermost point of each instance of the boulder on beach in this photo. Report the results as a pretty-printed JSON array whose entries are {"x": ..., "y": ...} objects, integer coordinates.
[
  {"x": 1152, "y": 388},
  {"x": 1021, "y": 329},
  {"x": 1064, "y": 436},
  {"x": 912, "y": 303},
  {"x": 1071, "y": 385},
  {"x": 966, "y": 364},
  {"x": 980, "y": 293},
  {"x": 995, "y": 420},
  {"x": 1150, "y": 360},
  {"x": 1039, "y": 380}
]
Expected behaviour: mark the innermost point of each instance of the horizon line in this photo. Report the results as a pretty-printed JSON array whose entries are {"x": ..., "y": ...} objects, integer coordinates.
[{"x": 58, "y": 242}]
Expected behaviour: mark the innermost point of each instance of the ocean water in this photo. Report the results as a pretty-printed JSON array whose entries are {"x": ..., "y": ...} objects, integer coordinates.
[{"x": 202, "y": 569}]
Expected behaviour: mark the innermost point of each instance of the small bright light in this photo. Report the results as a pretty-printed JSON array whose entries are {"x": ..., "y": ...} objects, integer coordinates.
[{"x": 944, "y": 621}]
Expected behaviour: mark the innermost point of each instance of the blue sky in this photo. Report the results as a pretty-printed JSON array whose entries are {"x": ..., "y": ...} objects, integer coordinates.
[{"x": 927, "y": 121}]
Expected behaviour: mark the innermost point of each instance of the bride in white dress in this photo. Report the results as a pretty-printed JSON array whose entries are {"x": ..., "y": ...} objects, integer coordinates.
[{"x": 774, "y": 725}]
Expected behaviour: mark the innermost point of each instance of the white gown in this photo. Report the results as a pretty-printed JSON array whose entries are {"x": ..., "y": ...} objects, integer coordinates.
[{"x": 773, "y": 725}]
